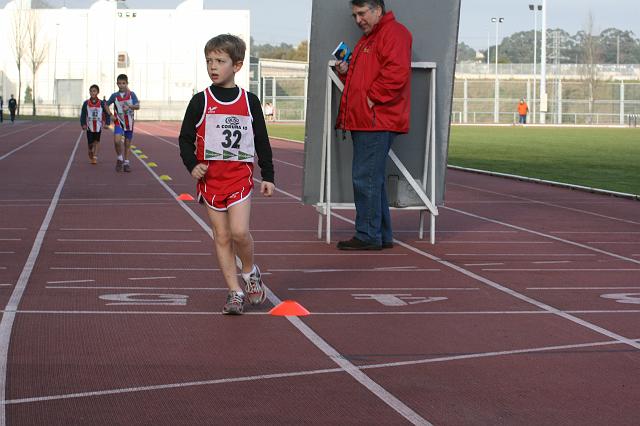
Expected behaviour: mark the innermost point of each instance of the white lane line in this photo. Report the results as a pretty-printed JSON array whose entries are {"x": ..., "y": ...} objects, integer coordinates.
[
  {"x": 550, "y": 262},
  {"x": 288, "y": 241},
  {"x": 60, "y": 268},
  {"x": 315, "y": 313},
  {"x": 359, "y": 254},
  {"x": 613, "y": 242},
  {"x": 21, "y": 130},
  {"x": 6, "y": 285},
  {"x": 595, "y": 232},
  {"x": 150, "y": 278},
  {"x": 541, "y": 234},
  {"x": 100, "y": 204},
  {"x": 7, "y": 252},
  {"x": 351, "y": 369},
  {"x": 519, "y": 254},
  {"x": 2, "y": 157},
  {"x": 3, "y": 267},
  {"x": 127, "y": 229},
  {"x": 548, "y": 204},
  {"x": 289, "y": 164},
  {"x": 509, "y": 291},
  {"x": 561, "y": 269},
  {"x": 322, "y": 271},
  {"x": 13, "y": 229},
  {"x": 6, "y": 325},
  {"x": 483, "y": 264},
  {"x": 583, "y": 288},
  {"x": 115, "y": 253},
  {"x": 211, "y": 382},
  {"x": 381, "y": 288},
  {"x": 83, "y": 240},
  {"x": 481, "y": 242},
  {"x": 345, "y": 365},
  {"x": 137, "y": 288},
  {"x": 70, "y": 281}
]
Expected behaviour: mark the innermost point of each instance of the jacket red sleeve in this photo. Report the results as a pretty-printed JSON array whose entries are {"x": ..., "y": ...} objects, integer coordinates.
[{"x": 395, "y": 69}]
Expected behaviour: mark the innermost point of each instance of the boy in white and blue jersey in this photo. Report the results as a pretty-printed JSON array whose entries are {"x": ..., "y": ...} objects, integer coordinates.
[{"x": 125, "y": 102}]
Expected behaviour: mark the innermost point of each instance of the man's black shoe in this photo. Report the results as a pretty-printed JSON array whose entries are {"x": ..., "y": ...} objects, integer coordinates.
[
  {"x": 356, "y": 244},
  {"x": 387, "y": 245}
]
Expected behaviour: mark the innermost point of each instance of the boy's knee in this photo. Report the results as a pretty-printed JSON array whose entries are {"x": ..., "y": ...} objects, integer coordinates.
[
  {"x": 241, "y": 235},
  {"x": 223, "y": 238}
]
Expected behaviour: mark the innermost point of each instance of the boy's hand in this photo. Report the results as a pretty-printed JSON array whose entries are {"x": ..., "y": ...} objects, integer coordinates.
[
  {"x": 84, "y": 127},
  {"x": 267, "y": 188},
  {"x": 199, "y": 171}
]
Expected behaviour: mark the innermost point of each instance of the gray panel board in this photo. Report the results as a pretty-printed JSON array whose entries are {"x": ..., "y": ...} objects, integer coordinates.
[{"x": 434, "y": 26}]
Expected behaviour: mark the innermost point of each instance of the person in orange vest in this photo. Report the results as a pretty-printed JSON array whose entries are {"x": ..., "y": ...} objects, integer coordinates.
[{"x": 523, "y": 109}]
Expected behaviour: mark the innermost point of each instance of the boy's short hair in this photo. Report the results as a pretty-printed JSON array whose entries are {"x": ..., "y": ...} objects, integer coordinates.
[
  {"x": 123, "y": 77},
  {"x": 371, "y": 3},
  {"x": 232, "y": 45},
  {"x": 94, "y": 86}
]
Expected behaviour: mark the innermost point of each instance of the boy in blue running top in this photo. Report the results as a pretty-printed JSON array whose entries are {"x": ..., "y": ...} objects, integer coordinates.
[{"x": 125, "y": 103}]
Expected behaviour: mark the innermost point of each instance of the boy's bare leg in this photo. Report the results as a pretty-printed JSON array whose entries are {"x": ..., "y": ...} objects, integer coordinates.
[
  {"x": 127, "y": 149},
  {"x": 117, "y": 143},
  {"x": 223, "y": 242},
  {"x": 239, "y": 216},
  {"x": 95, "y": 149}
]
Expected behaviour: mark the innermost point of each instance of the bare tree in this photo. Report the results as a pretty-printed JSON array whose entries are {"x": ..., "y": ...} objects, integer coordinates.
[
  {"x": 592, "y": 56},
  {"x": 37, "y": 51},
  {"x": 18, "y": 42}
]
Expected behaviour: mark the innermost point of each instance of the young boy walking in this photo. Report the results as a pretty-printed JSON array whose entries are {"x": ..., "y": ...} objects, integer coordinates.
[
  {"x": 222, "y": 130},
  {"x": 92, "y": 119},
  {"x": 125, "y": 103}
]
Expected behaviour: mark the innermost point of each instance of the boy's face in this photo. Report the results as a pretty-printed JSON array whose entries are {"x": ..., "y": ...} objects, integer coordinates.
[
  {"x": 93, "y": 92},
  {"x": 221, "y": 68},
  {"x": 122, "y": 85}
]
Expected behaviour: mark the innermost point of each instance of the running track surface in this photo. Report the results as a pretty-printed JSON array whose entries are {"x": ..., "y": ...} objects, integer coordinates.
[{"x": 525, "y": 312}]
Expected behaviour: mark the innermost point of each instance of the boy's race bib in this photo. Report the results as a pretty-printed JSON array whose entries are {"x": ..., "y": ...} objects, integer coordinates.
[{"x": 228, "y": 138}]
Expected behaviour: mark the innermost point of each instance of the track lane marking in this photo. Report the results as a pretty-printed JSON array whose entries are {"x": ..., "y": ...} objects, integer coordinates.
[
  {"x": 2, "y": 157},
  {"x": 547, "y": 204},
  {"x": 382, "y": 394},
  {"x": 211, "y": 382},
  {"x": 9, "y": 312}
]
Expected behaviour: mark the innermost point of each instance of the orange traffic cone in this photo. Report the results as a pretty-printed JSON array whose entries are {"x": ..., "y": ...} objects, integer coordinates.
[
  {"x": 185, "y": 197},
  {"x": 289, "y": 308}
]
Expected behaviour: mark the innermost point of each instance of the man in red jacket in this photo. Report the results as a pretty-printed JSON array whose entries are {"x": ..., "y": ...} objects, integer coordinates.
[{"x": 374, "y": 108}]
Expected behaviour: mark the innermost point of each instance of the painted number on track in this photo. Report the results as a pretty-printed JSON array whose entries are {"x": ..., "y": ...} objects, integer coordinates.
[
  {"x": 397, "y": 299},
  {"x": 624, "y": 297},
  {"x": 146, "y": 299}
]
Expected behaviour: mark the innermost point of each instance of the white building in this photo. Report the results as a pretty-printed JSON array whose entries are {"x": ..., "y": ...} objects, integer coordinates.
[{"x": 161, "y": 51}]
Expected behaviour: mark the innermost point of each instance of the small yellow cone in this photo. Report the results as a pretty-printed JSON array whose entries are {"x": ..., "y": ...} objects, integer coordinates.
[
  {"x": 152, "y": 164},
  {"x": 165, "y": 177},
  {"x": 143, "y": 157}
]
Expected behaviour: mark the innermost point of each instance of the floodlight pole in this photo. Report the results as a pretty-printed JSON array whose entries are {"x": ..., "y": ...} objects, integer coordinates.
[
  {"x": 496, "y": 99},
  {"x": 543, "y": 65},
  {"x": 535, "y": 9}
]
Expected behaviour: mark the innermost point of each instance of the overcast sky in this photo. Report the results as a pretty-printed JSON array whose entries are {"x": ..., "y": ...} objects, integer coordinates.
[{"x": 276, "y": 21}]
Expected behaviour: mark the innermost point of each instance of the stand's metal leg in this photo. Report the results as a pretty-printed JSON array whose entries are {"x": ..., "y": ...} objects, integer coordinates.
[{"x": 432, "y": 229}]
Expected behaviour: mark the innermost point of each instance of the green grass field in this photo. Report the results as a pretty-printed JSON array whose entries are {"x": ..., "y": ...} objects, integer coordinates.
[
  {"x": 596, "y": 157},
  {"x": 600, "y": 158}
]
